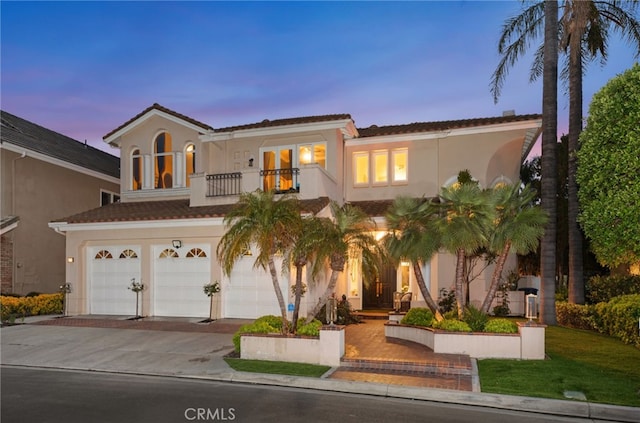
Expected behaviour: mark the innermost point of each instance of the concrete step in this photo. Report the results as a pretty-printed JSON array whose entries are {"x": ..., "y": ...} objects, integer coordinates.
[{"x": 429, "y": 367}]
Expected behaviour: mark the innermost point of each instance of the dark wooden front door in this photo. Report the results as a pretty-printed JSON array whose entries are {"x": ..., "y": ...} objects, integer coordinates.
[{"x": 379, "y": 293}]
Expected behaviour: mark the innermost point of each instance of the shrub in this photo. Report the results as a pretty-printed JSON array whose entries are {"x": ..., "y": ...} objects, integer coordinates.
[
  {"x": 271, "y": 320},
  {"x": 260, "y": 325},
  {"x": 475, "y": 318},
  {"x": 452, "y": 325},
  {"x": 30, "y": 306},
  {"x": 575, "y": 316},
  {"x": 447, "y": 300},
  {"x": 500, "y": 326},
  {"x": 418, "y": 316},
  {"x": 604, "y": 288},
  {"x": 619, "y": 318},
  {"x": 309, "y": 329}
]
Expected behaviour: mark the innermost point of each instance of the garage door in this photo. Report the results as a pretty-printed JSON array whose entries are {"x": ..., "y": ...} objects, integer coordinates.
[
  {"x": 179, "y": 277},
  {"x": 249, "y": 294},
  {"x": 111, "y": 270}
]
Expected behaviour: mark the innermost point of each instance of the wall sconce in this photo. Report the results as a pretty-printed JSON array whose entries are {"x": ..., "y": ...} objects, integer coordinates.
[
  {"x": 176, "y": 243},
  {"x": 70, "y": 259},
  {"x": 251, "y": 162}
]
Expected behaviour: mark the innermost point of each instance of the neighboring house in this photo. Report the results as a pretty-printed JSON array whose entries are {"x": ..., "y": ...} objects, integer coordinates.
[
  {"x": 180, "y": 177},
  {"x": 45, "y": 175}
]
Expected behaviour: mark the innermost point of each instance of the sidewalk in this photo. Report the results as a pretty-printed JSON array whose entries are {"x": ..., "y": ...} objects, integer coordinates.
[{"x": 199, "y": 354}]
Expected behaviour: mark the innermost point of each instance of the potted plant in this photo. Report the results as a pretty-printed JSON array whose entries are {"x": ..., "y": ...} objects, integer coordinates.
[
  {"x": 136, "y": 287},
  {"x": 211, "y": 289}
]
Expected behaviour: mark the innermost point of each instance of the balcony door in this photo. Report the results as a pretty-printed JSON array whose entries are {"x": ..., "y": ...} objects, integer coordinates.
[{"x": 277, "y": 164}]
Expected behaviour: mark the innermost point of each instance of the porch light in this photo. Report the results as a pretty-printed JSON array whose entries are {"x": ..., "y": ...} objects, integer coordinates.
[
  {"x": 532, "y": 307},
  {"x": 176, "y": 243},
  {"x": 70, "y": 259}
]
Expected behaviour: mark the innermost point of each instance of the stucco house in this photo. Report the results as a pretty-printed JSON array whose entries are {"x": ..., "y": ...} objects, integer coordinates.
[
  {"x": 45, "y": 175},
  {"x": 179, "y": 177}
]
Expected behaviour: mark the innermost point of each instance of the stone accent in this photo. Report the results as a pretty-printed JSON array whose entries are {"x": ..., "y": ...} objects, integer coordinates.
[{"x": 6, "y": 264}]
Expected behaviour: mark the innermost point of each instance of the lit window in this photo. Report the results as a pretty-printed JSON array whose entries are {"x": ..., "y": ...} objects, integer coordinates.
[
  {"x": 190, "y": 158},
  {"x": 136, "y": 170},
  {"x": 405, "y": 281},
  {"x": 361, "y": 168},
  {"x": 380, "y": 167},
  {"x": 313, "y": 153},
  {"x": 163, "y": 161},
  {"x": 400, "y": 159}
]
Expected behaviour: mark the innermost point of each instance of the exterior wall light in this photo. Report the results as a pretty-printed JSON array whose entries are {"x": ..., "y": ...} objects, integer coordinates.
[
  {"x": 176, "y": 243},
  {"x": 70, "y": 259},
  {"x": 532, "y": 307}
]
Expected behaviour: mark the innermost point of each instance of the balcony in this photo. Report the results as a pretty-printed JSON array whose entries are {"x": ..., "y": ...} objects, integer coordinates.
[{"x": 307, "y": 182}]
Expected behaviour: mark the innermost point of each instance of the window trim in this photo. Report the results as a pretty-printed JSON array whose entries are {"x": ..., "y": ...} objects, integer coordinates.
[
  {"x": 367, "y": 168},
  {"x": 374, "y": 167},
  {"x": 394, "y": 153}
]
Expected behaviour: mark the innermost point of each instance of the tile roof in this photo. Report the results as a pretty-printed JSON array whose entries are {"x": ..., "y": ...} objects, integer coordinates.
[
  {"x": 415, "y": 127},
  {"x": 379, "y": 208},
  {"x": 156, "y": 106},
  {"x": 25, "y": 134},
  {"x": 166, "y": 210},
  {"x": 283, "y": 122}
]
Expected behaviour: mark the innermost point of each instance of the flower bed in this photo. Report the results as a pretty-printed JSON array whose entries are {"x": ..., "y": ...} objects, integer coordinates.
[
  {"x": 327, "y": 349},
  {"x": 527, "y": 344}
]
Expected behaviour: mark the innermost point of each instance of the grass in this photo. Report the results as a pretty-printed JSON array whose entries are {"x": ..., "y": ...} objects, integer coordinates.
[
  {"x": 601, "y": 367},
  {"x": 276, "y": 367}
]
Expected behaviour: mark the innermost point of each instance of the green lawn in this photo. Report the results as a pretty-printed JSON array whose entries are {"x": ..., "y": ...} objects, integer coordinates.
[
  {"x": 276, "y": 367},
  {"x": 601, "y": 367}
]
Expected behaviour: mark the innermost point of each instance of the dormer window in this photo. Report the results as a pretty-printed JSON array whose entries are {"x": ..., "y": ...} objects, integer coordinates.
[{"x": 163, "y": 161}]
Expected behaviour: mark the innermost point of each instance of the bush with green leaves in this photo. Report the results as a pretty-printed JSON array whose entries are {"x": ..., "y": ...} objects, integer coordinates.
[
  {"x": 619, "y": 318},
  {"x": 452, "y": 325},
  {"x": 604, "y": 288},
  {"x": 311, "y": 328},
  {"x": 418, "y": 316},
  {"x": 260, "y": 325},
  {"x": 475, "y": 318},
  {"x": 575, "y": 316},
  {"x": 501, "y": 326}
]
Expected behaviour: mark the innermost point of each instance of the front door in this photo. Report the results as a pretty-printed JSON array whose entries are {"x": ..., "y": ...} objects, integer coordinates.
[{"x": 379, "y": 293}]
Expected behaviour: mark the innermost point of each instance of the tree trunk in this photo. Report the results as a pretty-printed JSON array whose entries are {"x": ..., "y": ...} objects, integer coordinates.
[
  {"x": 576, "y": 279},
  {"x": 495, "y": 278},
  {"x": 460, "y": 280},
  {"x": 548, "y": 162},
  {"x": 425, "y": 291},
  {"x": 298, "y": 295},
  {"x": 278, "y": 291}
]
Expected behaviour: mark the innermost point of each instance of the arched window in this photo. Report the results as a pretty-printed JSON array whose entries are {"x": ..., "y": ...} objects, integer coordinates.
[
  {"x": 190, "y": 162},
  {"x": 103, "y": 254},
  {"x": 168, "y": 253},
  {"x": 196, "y": 252},
  {"x": 128, "y": 254},
  {"x": 163, "y": 161},
  {"x": 136, "y": 170}
]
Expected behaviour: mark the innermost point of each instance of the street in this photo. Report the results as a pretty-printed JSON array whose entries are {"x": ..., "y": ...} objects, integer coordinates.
[{"x": 43, "y": 395}]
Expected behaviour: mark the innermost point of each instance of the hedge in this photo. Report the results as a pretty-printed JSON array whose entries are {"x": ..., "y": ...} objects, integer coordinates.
[
  {"x": 418, "y": 316},
  {"x": 617, "y": 318},
  {"x": 603, "y": 288},
  {"x": 17, "y": 307}
]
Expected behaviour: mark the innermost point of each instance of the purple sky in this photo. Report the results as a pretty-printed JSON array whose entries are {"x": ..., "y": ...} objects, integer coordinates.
[{"x": 84, "y": 68}]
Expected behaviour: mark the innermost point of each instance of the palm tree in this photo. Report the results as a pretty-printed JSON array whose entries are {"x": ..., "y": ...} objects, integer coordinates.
[
  {"x": 468, "y": 213},
  {"x": 351, "y": 230},
  {"x": 582, "y": 33},
  {"x": 413, "y": 235},
  {"x": 518, "y": 225},
  {"x": 269, "y": 224}
]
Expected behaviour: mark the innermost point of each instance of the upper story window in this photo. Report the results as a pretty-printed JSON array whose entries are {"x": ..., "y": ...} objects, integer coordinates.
[
  {"x": 163, "y": 161},
  {"x": 190, "y": 162},
  {"x": 108, "y": 197},
  {"x": 382, "y": 167},
  {"x": 313, "y": 153},
  {"x": 136, "y": 170}
]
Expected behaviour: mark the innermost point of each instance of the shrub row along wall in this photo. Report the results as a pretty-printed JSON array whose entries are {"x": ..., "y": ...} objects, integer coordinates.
[
  {"x": 17, "y": 307},
  {"x": 617, "y": 317}
]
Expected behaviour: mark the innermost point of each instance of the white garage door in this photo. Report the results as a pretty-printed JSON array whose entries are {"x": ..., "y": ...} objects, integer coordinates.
[
  {"x": 111, "y": 270},
  {"x": 179, "y": 277},
  {"x": 249, "y": 294}
]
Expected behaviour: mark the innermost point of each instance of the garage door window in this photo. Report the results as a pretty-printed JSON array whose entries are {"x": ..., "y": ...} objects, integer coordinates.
[
  {"x": 196, "y": 252},
  {"x": 103, "y": 254},
  {"x": 128, "y": 254},
  {"x": 168, "y": 253}
]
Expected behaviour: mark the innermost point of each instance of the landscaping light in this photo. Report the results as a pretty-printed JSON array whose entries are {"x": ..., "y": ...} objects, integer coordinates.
[{"x": 532, "y": 307}]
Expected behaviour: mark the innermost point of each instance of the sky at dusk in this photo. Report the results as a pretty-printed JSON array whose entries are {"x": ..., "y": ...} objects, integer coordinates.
[{"x": 84, "y": 68}]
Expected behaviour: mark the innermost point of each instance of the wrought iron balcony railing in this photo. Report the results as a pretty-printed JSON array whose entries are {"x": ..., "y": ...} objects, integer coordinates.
[
  {"x": 223, "y": 184},
  {"x": 280, "y": 180}
]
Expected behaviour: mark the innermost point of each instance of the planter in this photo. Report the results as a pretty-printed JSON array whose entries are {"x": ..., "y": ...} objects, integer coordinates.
[
  {"x": 528, "y": 344},
  {"x": 326, "y": 350}
]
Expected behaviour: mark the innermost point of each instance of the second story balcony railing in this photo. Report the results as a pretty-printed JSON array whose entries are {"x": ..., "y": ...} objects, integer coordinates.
[
  {"x": 223, "y": 184},
  {"x": 280, "y": 180}
]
